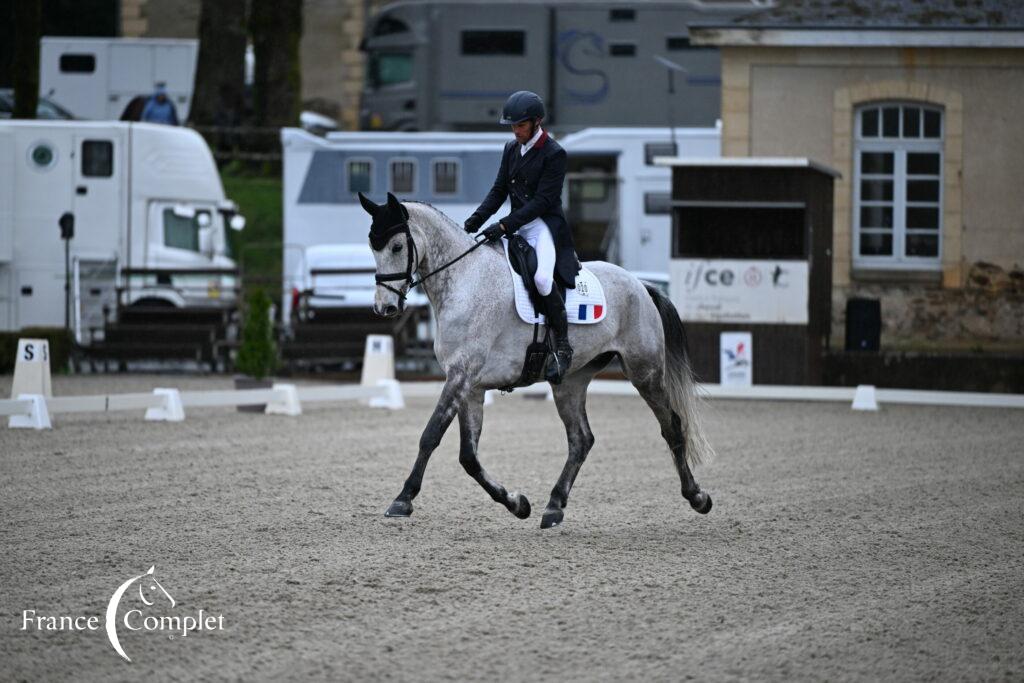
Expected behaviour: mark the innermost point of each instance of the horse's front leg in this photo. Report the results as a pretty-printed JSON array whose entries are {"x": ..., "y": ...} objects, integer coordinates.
[
  {"x": 471, "y": 420},
  {"x": 452, "y": 397}
]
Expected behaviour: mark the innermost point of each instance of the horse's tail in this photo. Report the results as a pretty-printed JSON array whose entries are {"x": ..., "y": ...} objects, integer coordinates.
[{"x": 679, "y": 380}]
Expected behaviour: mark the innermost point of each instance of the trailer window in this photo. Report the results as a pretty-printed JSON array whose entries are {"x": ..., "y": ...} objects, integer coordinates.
[
  {"x": 389, "y": 68},
  {"x": 360, "y": 175},
  {"x": 403, "y": 176},
  {"x": 97, "y": 158},
  {"x": 657, "y": 203},
  {"x": 77, "y": 64},
  {"x": 658, "y": 149},
  {"x": 493, "y": 42},
  {"x": 180, "y": 232},
  {"x": 446, "y": 177},
  {"x": 622, "y": 50}
]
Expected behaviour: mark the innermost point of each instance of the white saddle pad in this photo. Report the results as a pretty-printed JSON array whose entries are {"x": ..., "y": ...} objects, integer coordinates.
[{"x": 584, "y": 305}]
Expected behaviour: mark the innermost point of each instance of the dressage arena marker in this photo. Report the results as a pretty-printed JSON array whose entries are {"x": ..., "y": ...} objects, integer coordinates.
[
  {"x": 864, "y": 398},
  {"x": 378, "y": 359},
  {"x": 171, "y": 410},
  {"x": 32, "y": 368}
]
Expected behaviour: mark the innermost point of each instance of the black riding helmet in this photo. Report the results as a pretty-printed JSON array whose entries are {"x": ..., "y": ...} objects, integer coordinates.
[{"x": 521, "y": 106}]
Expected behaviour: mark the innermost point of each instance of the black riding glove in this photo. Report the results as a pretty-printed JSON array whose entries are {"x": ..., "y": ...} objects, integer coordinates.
[
  {"x": 473, "y": 223},
  {"x": 494, "y": 232}
]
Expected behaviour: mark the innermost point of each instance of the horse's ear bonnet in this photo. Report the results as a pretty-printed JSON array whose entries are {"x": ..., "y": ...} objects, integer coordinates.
[{"x": 389, "y": 219}]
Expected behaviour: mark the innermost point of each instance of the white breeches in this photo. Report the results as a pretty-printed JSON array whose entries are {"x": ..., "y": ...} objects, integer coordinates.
[{"x": 536, "y": 232}]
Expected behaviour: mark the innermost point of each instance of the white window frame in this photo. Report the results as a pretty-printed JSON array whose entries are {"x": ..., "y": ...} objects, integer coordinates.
[
  {"x": 348, "y": 167},
  {"x": 433, "y": 175},
  {"x": 391, "y": 175},
  {"x": 899, "y": 147}
]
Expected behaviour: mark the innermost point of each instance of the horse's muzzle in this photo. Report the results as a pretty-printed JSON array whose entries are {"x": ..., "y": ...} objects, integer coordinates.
[{"x": 387, "y": 311}]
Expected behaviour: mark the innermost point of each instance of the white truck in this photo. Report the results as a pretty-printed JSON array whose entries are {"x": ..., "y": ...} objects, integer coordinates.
[
  {"x": 146, "y": 201},
  {"x": 96, "y": 78}
]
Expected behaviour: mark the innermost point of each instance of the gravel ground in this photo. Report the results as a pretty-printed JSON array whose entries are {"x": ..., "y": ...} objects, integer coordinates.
[{"x": 842, "y": 545}]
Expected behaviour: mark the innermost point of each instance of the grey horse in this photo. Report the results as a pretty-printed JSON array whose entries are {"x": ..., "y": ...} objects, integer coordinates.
[{"x": 480, "y": 345}]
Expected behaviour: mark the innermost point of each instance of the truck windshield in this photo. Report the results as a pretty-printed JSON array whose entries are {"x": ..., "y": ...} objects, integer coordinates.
[
  {"x": 389, "y": 68},
  {"x": 180, "y": 232}
]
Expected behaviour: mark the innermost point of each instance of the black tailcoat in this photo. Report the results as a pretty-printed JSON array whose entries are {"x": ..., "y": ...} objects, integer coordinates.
[{"x": 533, "y": 184}]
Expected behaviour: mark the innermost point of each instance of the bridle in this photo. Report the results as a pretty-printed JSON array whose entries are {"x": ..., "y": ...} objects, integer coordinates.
[{"x": 379, "y": 240}]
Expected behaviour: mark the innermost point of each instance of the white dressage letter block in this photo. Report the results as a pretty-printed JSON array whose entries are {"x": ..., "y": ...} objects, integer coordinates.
[
  {"x": 38, "y": 418},
  {"x": 32, "y": 368},
  {"x": 285, "y": 402},
  {"x": 378, "y": 359},
  {"x": 393, "y": 399},
  {"x": 489, "y": 397},
  {"x": 865, "y": 398},
  {"x": 171, "y": 410}
]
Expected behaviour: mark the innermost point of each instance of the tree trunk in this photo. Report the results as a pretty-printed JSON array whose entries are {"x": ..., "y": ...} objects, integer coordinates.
[
  {"x": 220, "y": 71},
  {"x": 27, "y": 23},
  {"x": 276, "y": 28}
]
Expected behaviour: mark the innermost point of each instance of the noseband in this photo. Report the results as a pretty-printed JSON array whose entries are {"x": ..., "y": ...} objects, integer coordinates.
[{"x": 379, "y": 240}]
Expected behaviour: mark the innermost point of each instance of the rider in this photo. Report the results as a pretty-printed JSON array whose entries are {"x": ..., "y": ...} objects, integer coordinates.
[{"x": 532, "y": 173}]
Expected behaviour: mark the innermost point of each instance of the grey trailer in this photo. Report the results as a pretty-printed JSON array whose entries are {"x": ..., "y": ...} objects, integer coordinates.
[{"x": 450, "y": 65}]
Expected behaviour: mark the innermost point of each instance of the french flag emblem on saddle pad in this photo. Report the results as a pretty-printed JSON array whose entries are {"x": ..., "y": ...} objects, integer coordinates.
[{"x": 584, "y": 305}]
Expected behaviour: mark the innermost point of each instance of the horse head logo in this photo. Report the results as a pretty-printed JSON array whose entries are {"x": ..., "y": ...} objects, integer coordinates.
[{"x": 150, "y": 591}]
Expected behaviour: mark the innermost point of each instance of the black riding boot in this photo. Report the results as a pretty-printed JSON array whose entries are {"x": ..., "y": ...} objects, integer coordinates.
[{"x": 561, "y": 359}]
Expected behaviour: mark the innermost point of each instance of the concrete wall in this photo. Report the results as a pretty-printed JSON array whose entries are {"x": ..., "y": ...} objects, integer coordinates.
[{"x": 801, "y": 102}]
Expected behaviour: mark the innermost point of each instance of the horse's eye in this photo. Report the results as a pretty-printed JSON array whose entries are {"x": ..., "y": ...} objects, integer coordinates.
[{"x": 397, "y": 248}]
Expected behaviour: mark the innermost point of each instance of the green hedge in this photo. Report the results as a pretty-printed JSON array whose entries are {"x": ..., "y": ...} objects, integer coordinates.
[{"x": 60, "y": 347}]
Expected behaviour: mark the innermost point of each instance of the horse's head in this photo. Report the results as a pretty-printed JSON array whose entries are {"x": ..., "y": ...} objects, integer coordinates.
[
  {"x": 150, "y": 589},
  {"x": 394, "y": 252}
]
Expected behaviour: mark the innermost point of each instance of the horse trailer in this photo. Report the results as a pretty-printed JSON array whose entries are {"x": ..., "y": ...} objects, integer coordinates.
[
  {"x": 449, "y": 65},
  {"x": 147, "y": 224},
  {"x": 617, "y": 200},
  {"x": 96, "y": 78}
]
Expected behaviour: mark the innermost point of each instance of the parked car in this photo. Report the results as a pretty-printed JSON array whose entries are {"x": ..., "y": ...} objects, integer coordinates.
[{"x": 46, "y": 109}]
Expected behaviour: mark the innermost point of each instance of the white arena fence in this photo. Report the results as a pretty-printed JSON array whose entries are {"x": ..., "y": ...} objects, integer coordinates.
[{"x": 169, "y": 404}]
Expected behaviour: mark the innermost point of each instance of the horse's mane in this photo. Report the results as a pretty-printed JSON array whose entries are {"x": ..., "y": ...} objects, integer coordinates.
[{"x": 438, "y": 211}]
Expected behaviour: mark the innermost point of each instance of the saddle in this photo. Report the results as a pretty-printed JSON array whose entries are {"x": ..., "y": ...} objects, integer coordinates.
[{"x": 523, "y": 259}]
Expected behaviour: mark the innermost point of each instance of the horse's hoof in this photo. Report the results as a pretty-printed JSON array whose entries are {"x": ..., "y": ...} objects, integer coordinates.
[
  {"x": 701, "y": 503},
  {"x": 522, "y": 508},
  {"x": 400, "y": 508},
  {"x": 551, "y": 518}
]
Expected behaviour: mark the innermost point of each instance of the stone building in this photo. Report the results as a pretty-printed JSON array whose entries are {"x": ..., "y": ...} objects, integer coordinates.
[
  {"x": 332, "y": 64},
  {"x": 918, "y": 105}
]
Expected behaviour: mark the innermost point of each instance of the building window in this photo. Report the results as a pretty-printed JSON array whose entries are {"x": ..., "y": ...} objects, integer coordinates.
[
  {"x": 897, "y": 186},
  {"x": 446, "y": 176},
  {"x": 494, "y": 42},
  {"x": 77, "y": 64},
  {"x": 97, "y": 158},
  {"x": 403, "y": 176},
  {"x": 658, "y": 149},
  {"x": 657, "y": 203},
  {"x": 360, "y": 176}
]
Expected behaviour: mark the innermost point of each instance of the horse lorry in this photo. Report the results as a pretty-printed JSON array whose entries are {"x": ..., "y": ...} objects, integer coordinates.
[{"x": 118, "y": 231}]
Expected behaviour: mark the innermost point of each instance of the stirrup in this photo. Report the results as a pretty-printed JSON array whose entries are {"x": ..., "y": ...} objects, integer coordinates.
[{"x": 561, "y": 359}]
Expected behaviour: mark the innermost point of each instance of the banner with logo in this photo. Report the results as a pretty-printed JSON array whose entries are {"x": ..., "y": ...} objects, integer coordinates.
[
  {"x": 737, "y": 359},
  {"x": 714, "y": 291}
]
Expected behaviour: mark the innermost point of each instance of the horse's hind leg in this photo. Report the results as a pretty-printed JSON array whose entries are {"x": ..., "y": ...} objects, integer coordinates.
[
  {"x": 649, "y": 381},
  {"x": 571, "y": 400},
  {"x": 471, "y": 418}
]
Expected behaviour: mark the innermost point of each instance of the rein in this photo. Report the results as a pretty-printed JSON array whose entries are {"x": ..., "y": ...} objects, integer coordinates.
[{"x": 379, "y": 240}]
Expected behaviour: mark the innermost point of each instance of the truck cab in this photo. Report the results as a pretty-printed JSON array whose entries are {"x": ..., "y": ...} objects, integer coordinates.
[{"x": 149, "y": 217}]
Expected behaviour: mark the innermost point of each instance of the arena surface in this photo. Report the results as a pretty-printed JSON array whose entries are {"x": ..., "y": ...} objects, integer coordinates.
[{"x": 841, "y": 546}]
